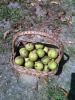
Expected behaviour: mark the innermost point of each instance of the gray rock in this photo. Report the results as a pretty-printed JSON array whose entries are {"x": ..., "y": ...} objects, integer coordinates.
[
  {"x": 28, "y": 81},
  {"x": 14, "y": 5},
  {"x": 64, "y": 80}
]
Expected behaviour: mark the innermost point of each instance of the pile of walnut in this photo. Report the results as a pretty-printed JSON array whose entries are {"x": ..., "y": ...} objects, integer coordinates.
[{"x": 37, "y": 56}]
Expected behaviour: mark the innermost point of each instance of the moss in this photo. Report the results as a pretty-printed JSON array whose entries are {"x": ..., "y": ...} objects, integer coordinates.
[
  {"x": 10, "y": 13},
  {"x": 9, "y": 40},
  {"x": 4, "y": 12},
  {"x": 56, "y": 93},
  {"x": 1, "y": 49},
  {"x": 1, "y": 35},
  {"x": 15, "y": 13},
  {"x": 70, "y": 50}
]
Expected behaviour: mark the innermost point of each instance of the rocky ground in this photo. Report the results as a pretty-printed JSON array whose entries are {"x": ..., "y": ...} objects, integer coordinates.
[{"x": 52, "y": 19}]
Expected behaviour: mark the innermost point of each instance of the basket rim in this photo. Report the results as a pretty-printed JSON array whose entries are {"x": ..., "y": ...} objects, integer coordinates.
[
  {"x": 32, "y": 72},
  {"x": 36, "y": 33}
]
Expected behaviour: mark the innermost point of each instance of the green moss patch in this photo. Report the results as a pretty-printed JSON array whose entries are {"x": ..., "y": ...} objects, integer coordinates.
[
  {"x": 10, "y": 13},
  {"x": 56, "y": 93}
]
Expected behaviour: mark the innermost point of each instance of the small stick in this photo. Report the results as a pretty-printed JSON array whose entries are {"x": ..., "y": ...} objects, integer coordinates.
[
  {"x": 9, "y": 32},
  {"x": 6, "y": 33}
]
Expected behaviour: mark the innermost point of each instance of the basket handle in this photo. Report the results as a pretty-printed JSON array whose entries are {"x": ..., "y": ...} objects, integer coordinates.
[{"x": 31, "y": 33}]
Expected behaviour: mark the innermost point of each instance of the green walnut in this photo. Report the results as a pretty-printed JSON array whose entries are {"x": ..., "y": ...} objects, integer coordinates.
[
  {"x": 33, "y": 56},
  {"x": 46, "y": 49},
  {"x": 38, "y": 66},
  {"x": 39, "y": 46},
  {"x": 29, "y": 46},
  {"x": 29, "y": 64},
  {"x": 34, "y": 51},
  {"x": 23, "y": 52},
  {"x": 26, "y": 59},
  {"x": 19, "y": 60},
  {"x": 46, "y": 69},
  {"x": 40, "y": 53},
  {"x": 52, "y": 53},
  {"x": 52, "y": 65},
  {"x": 45, "y": 60}
]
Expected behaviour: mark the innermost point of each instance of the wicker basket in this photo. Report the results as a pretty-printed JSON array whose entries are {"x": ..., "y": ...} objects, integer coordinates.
[{"x": 33, "y": 36}]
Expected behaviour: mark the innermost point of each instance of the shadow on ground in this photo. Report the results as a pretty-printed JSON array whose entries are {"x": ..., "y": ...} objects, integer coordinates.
[
  {"x": 71, "y": 95},
  {"x": 64, "y": 60}
]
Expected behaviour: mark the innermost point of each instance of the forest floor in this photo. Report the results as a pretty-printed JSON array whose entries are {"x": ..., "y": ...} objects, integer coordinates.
[{"x": 46, "y": 16}]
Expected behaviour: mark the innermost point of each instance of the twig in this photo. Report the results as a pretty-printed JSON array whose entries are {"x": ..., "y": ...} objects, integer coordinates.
[
  {"x": 9, "y": 32},
  {"x": 6, "y": 33}
]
